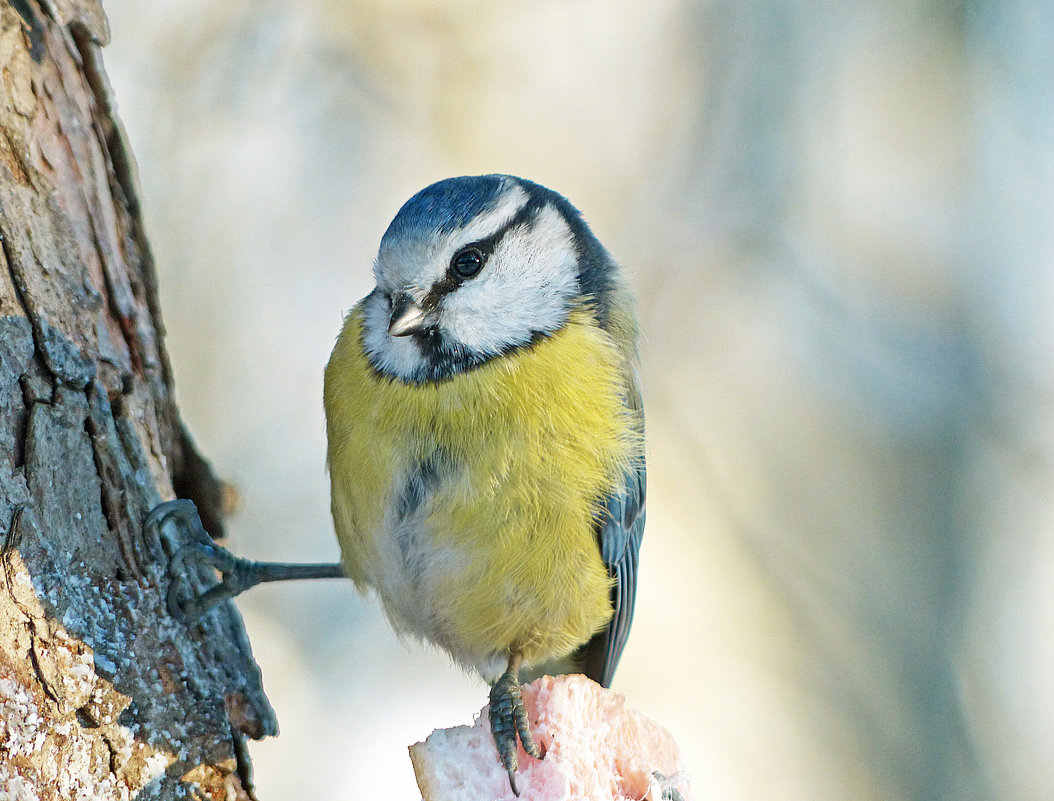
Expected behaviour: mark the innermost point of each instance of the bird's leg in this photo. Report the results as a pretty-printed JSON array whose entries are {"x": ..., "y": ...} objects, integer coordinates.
[
  {"x": 187, "y": 602},
  {"x": 508, "y": 719}
]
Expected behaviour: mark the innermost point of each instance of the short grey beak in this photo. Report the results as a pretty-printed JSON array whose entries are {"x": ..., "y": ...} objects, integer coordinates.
[{"x": 407, "y": 317}]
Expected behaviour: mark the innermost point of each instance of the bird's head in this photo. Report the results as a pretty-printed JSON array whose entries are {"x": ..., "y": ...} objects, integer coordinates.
[{"x": 474, "y": 267}]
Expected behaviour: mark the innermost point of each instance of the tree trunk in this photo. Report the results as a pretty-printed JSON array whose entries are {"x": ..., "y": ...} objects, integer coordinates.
[{"x": 102, "y": 694}]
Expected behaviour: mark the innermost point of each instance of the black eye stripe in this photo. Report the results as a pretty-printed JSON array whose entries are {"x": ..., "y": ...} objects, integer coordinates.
[
  {"x": 485, "y": 247},
  {"x": 526, "y": 214}
]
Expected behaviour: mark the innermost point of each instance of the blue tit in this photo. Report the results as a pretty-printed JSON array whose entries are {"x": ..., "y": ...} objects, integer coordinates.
[
  {"x": 486, "y": 444},
  {"x": 486, "y": 438}
]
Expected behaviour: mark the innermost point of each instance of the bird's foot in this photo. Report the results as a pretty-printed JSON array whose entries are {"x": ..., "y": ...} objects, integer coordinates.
[
  {"x": 188, "y": 596},
  {"x": 508, "y": 723}
]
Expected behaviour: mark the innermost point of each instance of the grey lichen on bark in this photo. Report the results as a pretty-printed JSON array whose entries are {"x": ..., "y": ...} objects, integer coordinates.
[{"x": 102, "y": 694}]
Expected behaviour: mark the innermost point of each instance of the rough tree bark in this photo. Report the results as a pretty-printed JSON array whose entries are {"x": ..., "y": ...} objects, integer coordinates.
[{"x": 102, "y": 694}]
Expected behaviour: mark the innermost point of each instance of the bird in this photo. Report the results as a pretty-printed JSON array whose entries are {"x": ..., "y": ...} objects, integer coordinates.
[{"x": 485, "y": 435}]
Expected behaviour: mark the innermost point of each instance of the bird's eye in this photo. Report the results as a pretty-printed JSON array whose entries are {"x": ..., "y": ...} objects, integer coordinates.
[{"x": 467, "y": 263}]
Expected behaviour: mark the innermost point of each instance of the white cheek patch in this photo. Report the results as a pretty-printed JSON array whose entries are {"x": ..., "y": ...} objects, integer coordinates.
[{"x": 526, "y": 286}]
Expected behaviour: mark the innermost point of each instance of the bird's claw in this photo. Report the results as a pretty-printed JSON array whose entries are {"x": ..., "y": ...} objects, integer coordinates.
[
  {"x": 186, "y": 599},
  {"x": 187, "y": 604},
  {"x": 509, "y": 724}
]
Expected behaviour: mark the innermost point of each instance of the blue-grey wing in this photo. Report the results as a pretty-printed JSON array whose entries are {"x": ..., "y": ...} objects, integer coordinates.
[{"x": 619, "y": 534}]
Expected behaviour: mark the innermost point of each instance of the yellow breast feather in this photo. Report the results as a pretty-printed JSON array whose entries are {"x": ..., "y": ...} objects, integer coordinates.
[{"x": 524, "y": 449}]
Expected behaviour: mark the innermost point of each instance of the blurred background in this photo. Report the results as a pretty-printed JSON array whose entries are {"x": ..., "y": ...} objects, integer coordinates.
[{"x": 839, "y": 221}]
